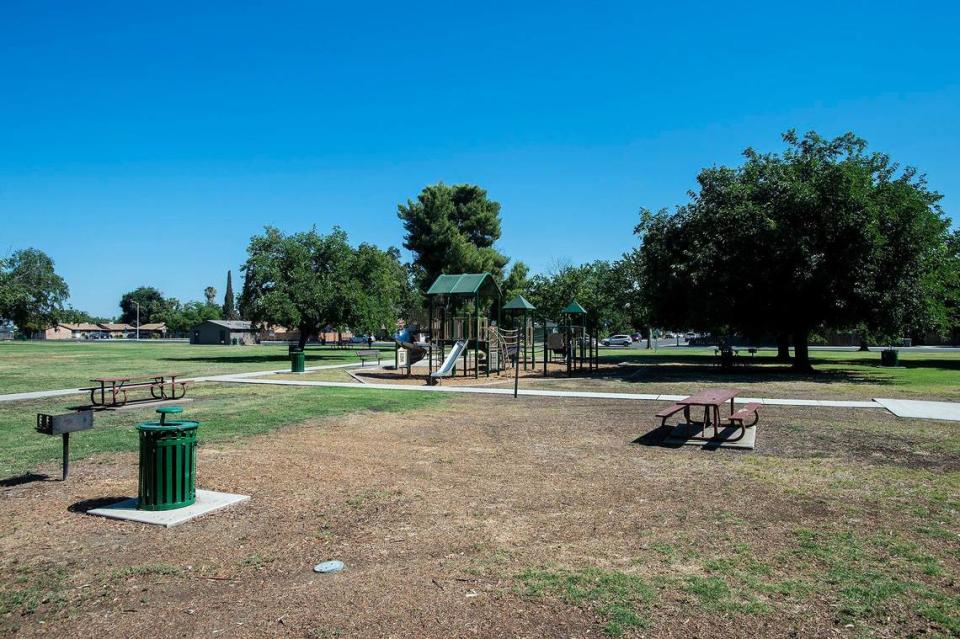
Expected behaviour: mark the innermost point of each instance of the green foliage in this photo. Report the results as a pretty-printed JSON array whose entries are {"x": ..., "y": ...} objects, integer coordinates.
[
  {"x": 210, "y": 294},
  {"x": 601, "y": 287},
  {"x": 31, "y": 292},
  {"x": 824, "y": 235},
  {"x": 154, "y": 307},
  {"x": 72, "y": 315},
  {"x": 452, "y": 229},
  {"x": 308, "y": 281},
  {"x": 517, "y": 282},
  {"x": 181, "y": 318},
  {"x": 229, "y": 308}
]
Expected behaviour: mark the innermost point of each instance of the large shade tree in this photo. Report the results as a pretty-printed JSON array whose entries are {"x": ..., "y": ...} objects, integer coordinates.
[
  {"x": 824, "y": 235},
  {"x": 31, "y": 292},
  {"x": 309, "y": 281},
  {"x": 452, "y": 229},
  {"x": 154, "y": 307}
]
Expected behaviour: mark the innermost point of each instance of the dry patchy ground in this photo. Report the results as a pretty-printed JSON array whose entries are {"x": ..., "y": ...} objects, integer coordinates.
[{"x": 511, "y": 518}]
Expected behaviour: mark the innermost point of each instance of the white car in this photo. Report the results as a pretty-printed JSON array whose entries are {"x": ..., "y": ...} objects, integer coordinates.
[{"x": 617, "y": 340}]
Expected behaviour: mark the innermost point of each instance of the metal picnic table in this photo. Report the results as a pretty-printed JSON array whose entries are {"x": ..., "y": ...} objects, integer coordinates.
[
  {"x": 710, "y": 400},
  {"x": 116, "y": 388}
]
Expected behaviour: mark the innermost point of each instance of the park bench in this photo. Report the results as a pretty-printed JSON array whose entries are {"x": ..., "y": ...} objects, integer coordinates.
[
  {"x": 368, "y": 353},
  {"x": 112, "y": 391}
]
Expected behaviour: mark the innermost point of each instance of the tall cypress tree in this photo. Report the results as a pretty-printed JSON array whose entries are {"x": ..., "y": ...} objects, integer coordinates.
[{"x": 229, "y": 310}]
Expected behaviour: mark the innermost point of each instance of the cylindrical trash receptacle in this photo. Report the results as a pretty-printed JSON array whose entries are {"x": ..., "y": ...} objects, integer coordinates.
[
  {"x": 168, "y": 462},
  {"x": 297, "y": 361},
  {"x": 888, "y": 357}
]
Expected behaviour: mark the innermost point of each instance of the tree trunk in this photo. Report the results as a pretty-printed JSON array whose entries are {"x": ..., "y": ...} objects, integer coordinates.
[
  {"x": 863, "y": 345},
  {"x": 783, "y": 348},
  {"x": 302, "y": 341},
  {"x": 801, "y": 351},
  {"x": 649, "y": 338}
]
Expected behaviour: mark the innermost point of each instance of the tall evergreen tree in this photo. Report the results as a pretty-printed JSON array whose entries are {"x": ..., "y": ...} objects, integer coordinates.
[
  {"x": 452, "y": 229},
  {"x": 229, "y": 308}
]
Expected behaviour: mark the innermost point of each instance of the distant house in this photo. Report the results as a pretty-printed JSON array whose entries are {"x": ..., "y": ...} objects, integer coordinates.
[
  {"x": 277, "y": 333},
  {"x": 6, "y": 330},
  {"x": 115, "y": 331},
  {"x": 147, "y": 331},
  {"x": 224, "y": 332},
  {"x": 63, "y": 330}
]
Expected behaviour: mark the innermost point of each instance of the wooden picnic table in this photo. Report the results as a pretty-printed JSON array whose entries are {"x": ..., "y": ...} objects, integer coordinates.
[
  {"x": 710, "y": 400},
  {"x": 117, "y": 388}
]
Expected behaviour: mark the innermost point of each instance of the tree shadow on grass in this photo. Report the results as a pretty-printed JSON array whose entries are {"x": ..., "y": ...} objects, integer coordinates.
[{"x": 740, "y": 375}]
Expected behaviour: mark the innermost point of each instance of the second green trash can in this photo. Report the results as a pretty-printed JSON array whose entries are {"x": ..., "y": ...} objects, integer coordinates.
[
  {"x": 297, "y": 361},
  {"x": 168, "y": 462}
]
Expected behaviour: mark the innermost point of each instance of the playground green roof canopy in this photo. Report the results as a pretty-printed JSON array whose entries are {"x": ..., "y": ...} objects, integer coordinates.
[
  {"x": 519, "y": 303},
  {"x": 465, "y": 284},
  {"x": 574, "y": 308}
]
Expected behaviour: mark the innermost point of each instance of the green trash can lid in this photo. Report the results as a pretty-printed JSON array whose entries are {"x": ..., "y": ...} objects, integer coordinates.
[
  {"x": 164, "y": 424},
  {"x": 177, "y": 425}
]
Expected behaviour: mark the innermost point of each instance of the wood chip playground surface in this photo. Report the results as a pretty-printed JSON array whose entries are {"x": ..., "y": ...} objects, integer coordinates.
[{"x": 462, "y": 514}]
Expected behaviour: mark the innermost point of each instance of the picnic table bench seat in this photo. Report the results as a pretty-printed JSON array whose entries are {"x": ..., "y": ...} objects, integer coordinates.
[
  {"x": 368, "y": 353},
  {"x": 665, "y": 413},
  {"x": 739, "y": 417}
]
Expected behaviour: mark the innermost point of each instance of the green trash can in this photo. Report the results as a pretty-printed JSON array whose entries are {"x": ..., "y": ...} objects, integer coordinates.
[
  {"x": 889, "y": 357},
  {"x": 297, "y": 361},
  {"x": 168, "y": 462}
]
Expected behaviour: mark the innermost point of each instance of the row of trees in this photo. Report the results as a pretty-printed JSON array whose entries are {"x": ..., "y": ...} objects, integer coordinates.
[{"x": 178, "y": 317}]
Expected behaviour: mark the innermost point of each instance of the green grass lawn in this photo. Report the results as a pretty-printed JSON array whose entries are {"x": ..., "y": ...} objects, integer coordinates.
[
  {"x": 226, "y": 412},
  {"x": 846, "y": 374},
  {"x": 35, "y": 366}
]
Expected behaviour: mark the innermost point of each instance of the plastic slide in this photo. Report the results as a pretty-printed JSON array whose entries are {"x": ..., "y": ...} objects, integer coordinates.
[{"x": 447, "y": 368}]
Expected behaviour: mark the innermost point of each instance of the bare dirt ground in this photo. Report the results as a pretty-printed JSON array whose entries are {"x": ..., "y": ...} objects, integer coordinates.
[{"x": 510, "y": 518}]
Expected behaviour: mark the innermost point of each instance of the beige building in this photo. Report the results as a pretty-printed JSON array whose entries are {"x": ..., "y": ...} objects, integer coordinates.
[
  {"x": 72, "y": 331},
  {"x": 115, "y": 331},
  {"x": 147, "y": 331}
]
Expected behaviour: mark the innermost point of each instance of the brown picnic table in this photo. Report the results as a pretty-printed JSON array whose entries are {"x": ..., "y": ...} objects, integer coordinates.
[
  {"x": 113, "y": 390},
  {"x": 711, "y": 401}
]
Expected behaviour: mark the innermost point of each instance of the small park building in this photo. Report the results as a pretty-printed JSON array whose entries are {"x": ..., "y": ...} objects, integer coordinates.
[{"x": 224, "y": 332}]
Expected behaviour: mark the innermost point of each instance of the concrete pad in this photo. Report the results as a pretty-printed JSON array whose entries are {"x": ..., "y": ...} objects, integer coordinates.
[
  {"x": 678, "y": 436},
  {"x": 208, "y": 501},
  {"x": 947, "y": 411}
]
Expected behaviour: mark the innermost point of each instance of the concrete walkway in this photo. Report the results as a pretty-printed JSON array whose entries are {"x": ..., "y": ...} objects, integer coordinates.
[{"x": 945, "y": 411}]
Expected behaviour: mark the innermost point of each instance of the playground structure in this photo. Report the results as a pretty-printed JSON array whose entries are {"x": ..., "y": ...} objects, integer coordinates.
[
  {"x": 469, "y": 332},
  {"x": 463, "y": 315}
]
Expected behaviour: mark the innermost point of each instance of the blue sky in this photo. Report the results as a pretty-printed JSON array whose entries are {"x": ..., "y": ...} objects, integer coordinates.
[{"x": 145, "y": 143}]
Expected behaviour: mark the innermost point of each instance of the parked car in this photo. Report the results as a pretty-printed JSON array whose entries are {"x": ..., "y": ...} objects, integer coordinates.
[
  {"x": 669, "y": 336},
  {"x": 617, "y": 340},
  {"x": 636, "y": 337}
]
